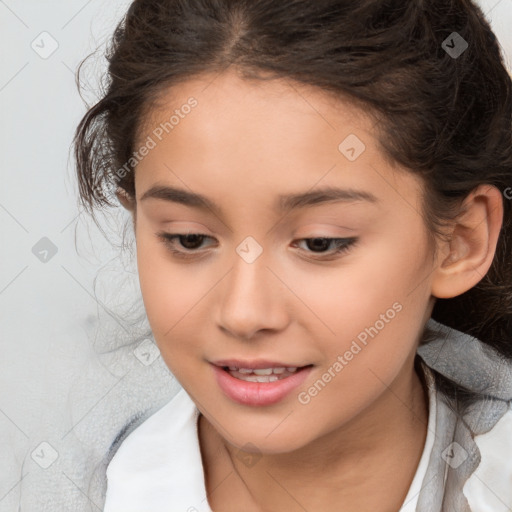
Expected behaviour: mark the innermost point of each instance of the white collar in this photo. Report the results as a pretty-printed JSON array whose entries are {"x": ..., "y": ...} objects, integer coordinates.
[
  {"x": 411, "y": 500},
  {"x": 160, "y": 463}
]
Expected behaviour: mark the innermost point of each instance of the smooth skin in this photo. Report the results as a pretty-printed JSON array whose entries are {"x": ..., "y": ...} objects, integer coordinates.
[{"x": 357, "y": 443}]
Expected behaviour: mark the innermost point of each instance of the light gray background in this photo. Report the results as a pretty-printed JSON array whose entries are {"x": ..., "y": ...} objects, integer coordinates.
[{"x": 49, "y": 310}]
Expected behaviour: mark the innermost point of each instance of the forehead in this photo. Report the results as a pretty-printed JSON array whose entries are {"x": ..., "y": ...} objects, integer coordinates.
[
  {"x": 256, "y": 137},
  {"x": 219, "y": 94}
]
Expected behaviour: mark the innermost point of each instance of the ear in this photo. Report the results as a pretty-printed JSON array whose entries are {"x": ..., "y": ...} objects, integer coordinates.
[
  {"x": 126, "y": 200},
  {"x": 466, "y": 258},
  {"x": 129, "y": 203}
]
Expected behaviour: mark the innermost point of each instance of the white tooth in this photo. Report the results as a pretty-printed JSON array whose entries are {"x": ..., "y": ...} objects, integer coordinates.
[
  {"x": 263, "y": 371},
  {"x": 249, "y": 378},
  {"x": 259, "y": 378},
  {"x": 292, "y": 369},
  {"x": 233, "y": 368},
  {"x": 244, "y": 370},
  {"x": 278, "y": 371}
]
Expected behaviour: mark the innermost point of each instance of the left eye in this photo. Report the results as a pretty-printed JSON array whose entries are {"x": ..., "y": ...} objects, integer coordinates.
[
  {"x": 340, "y": 244},
  {"x": 191, "y": 242}
]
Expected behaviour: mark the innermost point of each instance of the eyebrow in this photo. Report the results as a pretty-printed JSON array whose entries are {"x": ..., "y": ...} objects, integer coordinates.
[{"x": 284, "y": 202}]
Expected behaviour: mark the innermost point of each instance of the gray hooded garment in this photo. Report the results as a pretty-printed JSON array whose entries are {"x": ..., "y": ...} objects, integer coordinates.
[
  {"x": 479, "y": 368},
  {"x": 77, "y": 480}
]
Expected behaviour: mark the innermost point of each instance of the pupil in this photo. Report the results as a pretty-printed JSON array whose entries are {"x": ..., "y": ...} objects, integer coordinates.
[
  {"x": 323, "y": 243},
  {"x": 195, "y": 239}
]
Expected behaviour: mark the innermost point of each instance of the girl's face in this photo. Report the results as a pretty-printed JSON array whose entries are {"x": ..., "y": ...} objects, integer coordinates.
[{"x": 281, "y": 169}]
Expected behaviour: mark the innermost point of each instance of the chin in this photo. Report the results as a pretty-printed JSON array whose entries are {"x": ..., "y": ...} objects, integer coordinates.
[{"x": 263, "y": 439}]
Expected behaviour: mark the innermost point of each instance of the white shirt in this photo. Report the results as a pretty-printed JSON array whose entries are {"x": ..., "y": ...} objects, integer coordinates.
[{"x": 158, "y": 466}]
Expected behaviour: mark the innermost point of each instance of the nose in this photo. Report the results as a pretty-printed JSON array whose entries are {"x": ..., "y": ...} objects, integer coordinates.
[{"x": 252, "y": 300}]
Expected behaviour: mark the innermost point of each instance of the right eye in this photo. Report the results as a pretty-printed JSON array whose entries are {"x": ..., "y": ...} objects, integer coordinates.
[{"x": 189, "y": 241}]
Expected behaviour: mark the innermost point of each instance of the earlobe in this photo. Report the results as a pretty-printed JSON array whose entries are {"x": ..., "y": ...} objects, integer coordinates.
[{"x": 467, "y": 257}]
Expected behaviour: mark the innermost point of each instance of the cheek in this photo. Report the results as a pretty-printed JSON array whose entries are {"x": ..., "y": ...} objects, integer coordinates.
[
  {"x": 169, "y": 291},
  {"x": 371, "y": 308},
  {"x": 366, "y": 284},
  {"x": 175, "y": 298}
]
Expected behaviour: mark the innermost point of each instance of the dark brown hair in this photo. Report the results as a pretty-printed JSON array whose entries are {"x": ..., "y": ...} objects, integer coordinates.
[{"x": 445, "y": 117}]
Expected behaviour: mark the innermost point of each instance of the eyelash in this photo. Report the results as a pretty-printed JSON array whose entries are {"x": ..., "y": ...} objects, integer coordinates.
[{"x": 343, "y": 245}]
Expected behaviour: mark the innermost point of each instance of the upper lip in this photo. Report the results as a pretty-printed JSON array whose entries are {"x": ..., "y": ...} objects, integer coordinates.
[{"x": 254, "y": 364}]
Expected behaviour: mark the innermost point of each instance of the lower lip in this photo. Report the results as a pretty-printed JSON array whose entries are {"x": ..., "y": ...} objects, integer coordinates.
[{"x": 259, "y": 393}]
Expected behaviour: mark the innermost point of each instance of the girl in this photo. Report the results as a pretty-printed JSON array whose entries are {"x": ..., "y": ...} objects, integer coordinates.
[{"x": 320, "y": 194}]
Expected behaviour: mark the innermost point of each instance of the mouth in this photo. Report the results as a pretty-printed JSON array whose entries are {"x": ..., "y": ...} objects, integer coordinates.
[
  {"x": 258, "y": 383},
  {"x": 271, "y": 374}
]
